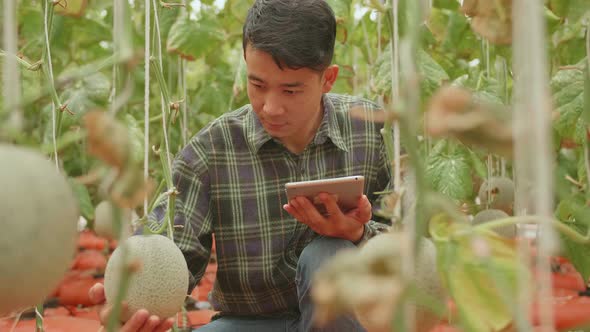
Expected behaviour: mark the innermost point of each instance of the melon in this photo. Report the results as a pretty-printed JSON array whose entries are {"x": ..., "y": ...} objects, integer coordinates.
[
  {"x": 104, "y": 222},
  {"x": 499, "y": 192},
  {"x": 488, "y": 215},
  {"x": 159, "y": 284},
  {"x": 39, "y": 216},
  {"x": 384, "y": 252},
  {"x": 368, "y": 282}
]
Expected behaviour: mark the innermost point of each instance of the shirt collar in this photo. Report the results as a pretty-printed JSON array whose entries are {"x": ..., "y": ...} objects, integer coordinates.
[{"x": 329, "y": 128}]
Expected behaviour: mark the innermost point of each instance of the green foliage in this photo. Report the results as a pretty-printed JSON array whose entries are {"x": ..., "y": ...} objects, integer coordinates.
[
  {"x": 480, "y": 269},
  {"x": 84, "y": 201},
  {"x": 449, "y": 170},
  {"x": 208, "y": 38},
  {"x": 193, "y": 39},
  {"x": 576, "y": 214},
  {"x": 431, "y": 73},
  {"x": 568, "y": 97}
]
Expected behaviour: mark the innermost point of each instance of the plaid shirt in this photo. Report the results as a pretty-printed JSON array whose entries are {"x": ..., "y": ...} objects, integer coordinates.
[{"x": 231, "y": 178}]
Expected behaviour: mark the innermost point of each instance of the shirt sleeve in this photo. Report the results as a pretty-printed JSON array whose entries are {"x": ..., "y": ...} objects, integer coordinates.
[{"x": 192, "y": 219}]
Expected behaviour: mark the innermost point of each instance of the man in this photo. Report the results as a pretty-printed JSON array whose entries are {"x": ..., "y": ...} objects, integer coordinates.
[{"x": 231, "y": 178}]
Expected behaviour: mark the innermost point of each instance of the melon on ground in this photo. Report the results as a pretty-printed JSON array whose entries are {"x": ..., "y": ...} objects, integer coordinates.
[
  {"x": 160, "y": 284},
  {"x": 39, "y": 217}
]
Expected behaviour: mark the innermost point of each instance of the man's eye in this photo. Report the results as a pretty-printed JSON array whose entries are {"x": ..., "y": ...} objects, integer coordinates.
[
  {"x": 258, "y": 86},
  {"x": 290, "y": 92}
]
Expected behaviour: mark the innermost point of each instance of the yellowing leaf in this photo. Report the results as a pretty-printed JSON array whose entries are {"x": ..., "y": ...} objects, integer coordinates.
[
  {"x": 480, "y": 270},
  {"x": 74, "y": 8}
]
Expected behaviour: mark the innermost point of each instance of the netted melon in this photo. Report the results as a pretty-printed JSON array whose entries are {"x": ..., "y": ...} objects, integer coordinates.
[
  {"x": 385, "y": 251},
  {"x": 104, "y": 221},
  {"x": 39, "y": 217},
  {"x": 159, "y": 283},
  {"x": 488, "y": 215},
  {"x": 498, "y": 192},
  {"x": 376, "y": 273}
]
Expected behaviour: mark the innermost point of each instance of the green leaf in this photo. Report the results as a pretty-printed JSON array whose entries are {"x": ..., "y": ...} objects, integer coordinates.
[
  {"x": 478, "y": 165},
  {"x": 482, "y": 286},
  {"x": 341, "y": 9},
  {"x": 586, "y": 111},
  {"x": 447, "y": 4},
  {"x": 73, "y": 8},
  {"x": 86, "y": 94},
  {"x": 84, "y": 201},
  {"x": 578, "y": 10},
  {"x": 432, "y": 75},
  {"x": 559, "y": 7},
  {"x": 568, "y": 97},
  {"x": 193, "y": 39},
  {"x": 582, "y": 175},
  {"x": 167, "y": 18},
  {"x": 449, "y": 172},
  {"x": 567, "y": 43},
  {"x": 575, "y": 214},
  {"x": 136, "y": 138}
]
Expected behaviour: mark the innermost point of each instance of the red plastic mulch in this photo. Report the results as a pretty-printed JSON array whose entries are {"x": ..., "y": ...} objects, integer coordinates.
[
  {"x": 54, "y": 324},
  {"x": 75, "y": 313}
]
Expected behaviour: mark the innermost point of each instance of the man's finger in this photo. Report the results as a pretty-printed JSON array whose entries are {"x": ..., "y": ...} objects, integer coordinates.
[
  {"x": 150, "y": 325},
  {"x": 364, "y": 212},
  {"x": 306, "y": 209},
  {"x": 330, "y": 203},
  {"x": 105, "y": 312},
  {"x": 96, "y": 294},
  {"x": 165, "y": 325},
  {"x": 292, "y": 211},
  {"x": 136, "y": 322}
]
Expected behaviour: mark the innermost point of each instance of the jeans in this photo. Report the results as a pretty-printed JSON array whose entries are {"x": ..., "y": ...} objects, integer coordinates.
[{"x": 312, "y": 257}]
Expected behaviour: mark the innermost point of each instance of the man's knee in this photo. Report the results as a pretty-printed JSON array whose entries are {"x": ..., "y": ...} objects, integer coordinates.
[{"x": 318, "y": 251}]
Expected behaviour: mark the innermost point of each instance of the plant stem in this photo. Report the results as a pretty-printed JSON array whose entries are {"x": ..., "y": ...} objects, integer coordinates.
[
  {"x": 124, "y": 281},
  {"x": 48, "y": 71},
  {"x": 156, "y": 199},
  {"x": 19, "y": 60},
  {"x": 11, "y": 77},
  {"x": 533, "y": 146},
  {"x": 166, "y": 108},
  {"x": 146, "y": 105},
  {"x": 378, "y": 5},
  {"x": 39, "y": 318},
  {"x": 161, "y": 82},
  {"x": 560, "y": 226},
  {"x": 65, "y": 140}
]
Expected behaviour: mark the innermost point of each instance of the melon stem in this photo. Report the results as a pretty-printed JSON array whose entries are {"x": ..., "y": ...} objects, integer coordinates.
[
  {"x": 527, "y": 219},
  {"x": 124, "y": 280}
]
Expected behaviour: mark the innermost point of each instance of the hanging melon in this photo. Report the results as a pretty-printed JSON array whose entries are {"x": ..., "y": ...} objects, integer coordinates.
[
  {"x": 160, "y": 281},
  {"x": 39, "y": 217}
]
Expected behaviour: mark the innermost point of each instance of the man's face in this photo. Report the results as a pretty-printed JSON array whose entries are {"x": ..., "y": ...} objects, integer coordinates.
[{"x": 287, "y": 101}]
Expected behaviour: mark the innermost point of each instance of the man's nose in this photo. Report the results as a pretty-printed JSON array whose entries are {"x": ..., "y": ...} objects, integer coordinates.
[{"x": 272, "y": 106}]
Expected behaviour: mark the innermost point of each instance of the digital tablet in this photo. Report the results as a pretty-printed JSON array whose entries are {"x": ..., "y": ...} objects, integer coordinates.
[{"x": 347, "y": 191}]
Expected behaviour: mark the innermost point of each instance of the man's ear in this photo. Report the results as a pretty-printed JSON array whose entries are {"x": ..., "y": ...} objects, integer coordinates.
[{"x": 330, "y": 75}]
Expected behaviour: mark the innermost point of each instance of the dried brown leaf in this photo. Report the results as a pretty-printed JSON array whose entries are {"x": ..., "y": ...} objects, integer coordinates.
[{"x": 108, "y": 140}]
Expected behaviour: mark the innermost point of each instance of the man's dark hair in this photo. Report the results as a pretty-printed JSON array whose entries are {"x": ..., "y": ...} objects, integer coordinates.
[{"x": 296, "y": 33}]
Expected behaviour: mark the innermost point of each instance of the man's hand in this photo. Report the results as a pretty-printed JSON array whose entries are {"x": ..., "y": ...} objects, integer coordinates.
[
  {"x": 348, "y": 226},
  {"x": 140, "y": 321}
]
